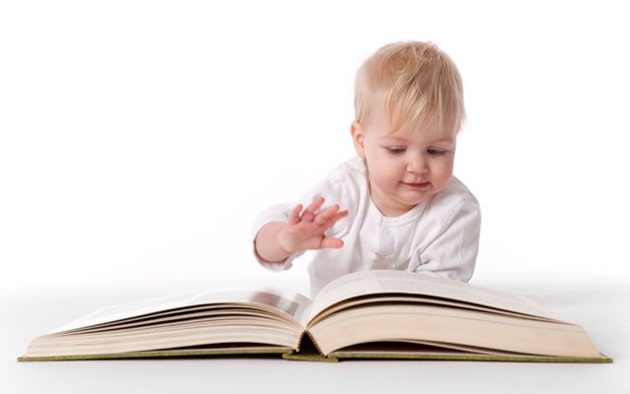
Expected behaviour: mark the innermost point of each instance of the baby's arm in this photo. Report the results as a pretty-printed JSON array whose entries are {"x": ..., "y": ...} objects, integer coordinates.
[
  {"x": 303, "y": 231},
  {"x": 266, "y": 243}
]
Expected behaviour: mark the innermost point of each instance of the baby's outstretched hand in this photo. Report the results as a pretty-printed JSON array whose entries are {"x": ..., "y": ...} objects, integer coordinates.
[{"x": 306, "y": 231}]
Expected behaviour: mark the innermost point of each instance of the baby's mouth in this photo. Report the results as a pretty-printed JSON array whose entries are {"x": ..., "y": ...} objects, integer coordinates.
[{"x": 417, "y": 185}]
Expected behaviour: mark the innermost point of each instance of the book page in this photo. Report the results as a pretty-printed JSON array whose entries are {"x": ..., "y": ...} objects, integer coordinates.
[
  {"x": 453, "y": 326},
  {"x": 286, "y": 302},
  {"x": 421, "y": 283},
  {"x": 389, "y": 298}
]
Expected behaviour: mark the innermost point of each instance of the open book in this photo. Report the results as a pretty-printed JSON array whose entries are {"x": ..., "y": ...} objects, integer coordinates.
[{"x": 371, "y": 314}]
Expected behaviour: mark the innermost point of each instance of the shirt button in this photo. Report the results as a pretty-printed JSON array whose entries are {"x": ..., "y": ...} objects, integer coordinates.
[{"x": 385, "y": 231}]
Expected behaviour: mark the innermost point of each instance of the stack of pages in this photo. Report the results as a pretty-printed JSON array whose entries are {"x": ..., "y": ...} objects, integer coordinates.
[{"x": 379, "y": 314}]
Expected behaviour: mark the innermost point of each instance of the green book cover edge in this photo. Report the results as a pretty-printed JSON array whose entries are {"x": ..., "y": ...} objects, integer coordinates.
[
  {"x": 161, "y": 354},
  {"x": 473, "y": 357}
]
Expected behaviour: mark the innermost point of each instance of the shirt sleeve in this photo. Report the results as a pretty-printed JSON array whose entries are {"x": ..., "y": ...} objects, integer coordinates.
[
  {"x": 332, "y": 189},
  {"x": 453, "y": 253}
]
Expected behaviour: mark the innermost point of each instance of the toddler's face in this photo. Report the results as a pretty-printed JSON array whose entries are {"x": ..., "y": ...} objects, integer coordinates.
[{"x": 405, "y": 168}]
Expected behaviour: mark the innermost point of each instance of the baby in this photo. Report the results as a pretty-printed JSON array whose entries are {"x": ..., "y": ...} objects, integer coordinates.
[{"x": 402, "y": 207}]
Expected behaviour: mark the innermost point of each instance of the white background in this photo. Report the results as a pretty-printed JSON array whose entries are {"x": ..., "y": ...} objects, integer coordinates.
[{"x": 138, "y": 140}]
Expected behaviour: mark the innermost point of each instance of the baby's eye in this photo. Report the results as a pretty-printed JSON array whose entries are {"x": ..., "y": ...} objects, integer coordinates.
[
  {"x": 434, "y": 152},
  {"x": 395, "y": 151}
]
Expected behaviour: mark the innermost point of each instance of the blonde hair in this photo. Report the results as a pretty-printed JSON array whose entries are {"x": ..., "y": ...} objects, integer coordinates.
[{"x": 414, "y": 82}]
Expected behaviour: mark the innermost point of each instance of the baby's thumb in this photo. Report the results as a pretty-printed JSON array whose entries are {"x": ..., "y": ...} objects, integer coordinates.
[{"x": 330, "y": 242}]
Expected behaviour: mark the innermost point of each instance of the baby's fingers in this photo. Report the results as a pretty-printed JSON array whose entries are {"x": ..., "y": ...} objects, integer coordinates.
[
  {"x": 309, "y": 212},
  {"x": 330, "y": 242},
  {"x": 323, "y": 216},
  {"x": 294, "y": 216},
  {"x": 335, "y": 218}
]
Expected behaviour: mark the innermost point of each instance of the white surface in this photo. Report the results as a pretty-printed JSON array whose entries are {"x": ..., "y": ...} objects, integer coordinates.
[{"x": 599, "y": 305}]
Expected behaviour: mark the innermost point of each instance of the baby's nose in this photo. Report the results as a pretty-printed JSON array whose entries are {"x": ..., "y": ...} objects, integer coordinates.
[{"x": 417, "y": 165}]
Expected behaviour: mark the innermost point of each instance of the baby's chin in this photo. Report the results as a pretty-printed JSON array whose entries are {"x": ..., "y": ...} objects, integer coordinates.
[{"x": 415, "y": 195}]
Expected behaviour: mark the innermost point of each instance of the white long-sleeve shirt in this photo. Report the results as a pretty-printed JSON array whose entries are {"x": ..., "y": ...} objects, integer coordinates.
[{"x": 440, "y": 234}]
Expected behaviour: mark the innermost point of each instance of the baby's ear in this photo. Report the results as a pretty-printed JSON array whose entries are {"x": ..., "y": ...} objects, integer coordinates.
[{"x": 357, "y": 138}]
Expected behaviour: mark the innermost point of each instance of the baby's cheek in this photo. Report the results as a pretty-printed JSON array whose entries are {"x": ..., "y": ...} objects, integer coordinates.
[
  {"x": 387, "y": 175},
  {"x": 443, "y": 180},
  {"x": 394, "y": 178}
]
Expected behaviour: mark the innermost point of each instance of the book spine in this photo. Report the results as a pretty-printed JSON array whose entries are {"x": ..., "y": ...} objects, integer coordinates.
[{"x": 308, "y": 350}]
